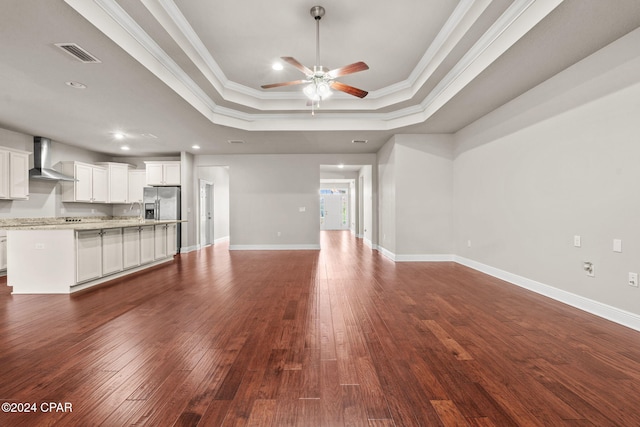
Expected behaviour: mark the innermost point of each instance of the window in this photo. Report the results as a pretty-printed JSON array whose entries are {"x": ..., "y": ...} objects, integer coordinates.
[{"x": 333, "y": 191}]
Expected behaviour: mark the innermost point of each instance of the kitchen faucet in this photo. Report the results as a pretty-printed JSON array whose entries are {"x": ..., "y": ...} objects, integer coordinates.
[{"x": 141, "y": 213}]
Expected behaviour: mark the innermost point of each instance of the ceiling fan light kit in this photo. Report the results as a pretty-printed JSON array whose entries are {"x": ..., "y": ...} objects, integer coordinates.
[{"x": 320, "y": 81}]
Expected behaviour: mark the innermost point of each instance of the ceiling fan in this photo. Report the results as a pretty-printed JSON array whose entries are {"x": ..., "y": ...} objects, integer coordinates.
[{"x": 320, "y": 80}]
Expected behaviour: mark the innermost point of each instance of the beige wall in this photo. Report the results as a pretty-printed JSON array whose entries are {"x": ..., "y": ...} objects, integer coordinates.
[
  {"x": 416, "y": 186},
  {"x": 521, "y": 193},
  {"x": 266, "y": 193}
]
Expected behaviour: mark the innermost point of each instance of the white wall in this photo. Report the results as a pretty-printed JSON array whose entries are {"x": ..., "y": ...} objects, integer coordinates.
[{"x": 526, "y": 182}]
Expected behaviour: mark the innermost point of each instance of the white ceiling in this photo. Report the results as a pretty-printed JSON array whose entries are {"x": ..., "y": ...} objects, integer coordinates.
[{"x": 189, "y": 71}]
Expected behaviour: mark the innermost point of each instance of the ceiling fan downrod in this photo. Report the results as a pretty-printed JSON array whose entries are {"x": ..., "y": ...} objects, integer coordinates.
[{"x": 317, "y": 12}]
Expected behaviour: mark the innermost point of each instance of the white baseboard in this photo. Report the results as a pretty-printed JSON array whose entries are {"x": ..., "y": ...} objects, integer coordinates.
[
  {"x": 416, "y": 257},
  {"x": 369, "y": 243},
  {"x": 274, "y": 247},
  {"x": 622, "y": 317},
  {"x": 221, "y": 240},
  {"x": 185, "y": 249}
]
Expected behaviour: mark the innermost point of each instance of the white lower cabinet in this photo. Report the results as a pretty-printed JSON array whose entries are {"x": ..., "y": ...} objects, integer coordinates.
[
  {"x": 147, "y": 244},
  {"x": 131, "y": 247},
  {"x": 100, "y": 253},
  {"x": 172, "y": 235},
  {"x": 3, "y": 252},
  {"x": 161, "y": 241},
  {"x": 111, "y": 251},
  {"x": 88, "y": 255}
]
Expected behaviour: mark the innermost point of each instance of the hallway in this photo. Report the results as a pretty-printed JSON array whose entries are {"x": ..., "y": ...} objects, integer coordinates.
[{"x": 341, "y": 336}]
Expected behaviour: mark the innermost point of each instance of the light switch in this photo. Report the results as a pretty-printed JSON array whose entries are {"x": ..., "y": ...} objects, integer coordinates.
[
  {"x": 302, "y": 209},
  {"x": 577, "y": 241},
  {"x": 617, "y": 245}
]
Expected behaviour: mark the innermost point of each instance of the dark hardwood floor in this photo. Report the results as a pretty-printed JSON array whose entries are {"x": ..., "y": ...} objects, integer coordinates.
[{"x": 335, "y": 337}]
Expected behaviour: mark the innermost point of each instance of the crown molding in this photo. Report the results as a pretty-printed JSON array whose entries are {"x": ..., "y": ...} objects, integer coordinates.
[{"x": 113, "y": 20}]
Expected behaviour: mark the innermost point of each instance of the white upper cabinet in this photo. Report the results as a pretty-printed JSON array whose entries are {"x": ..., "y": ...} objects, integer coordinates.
[
  {"x": 163, "y": 173},
  {"x": 14, "y": 174},
  {"x": 137, "y": 182},
  {"x": 4, "y": 174},
  {"x": 117, "y": 181},
  {"x": 90, "y": 186}
]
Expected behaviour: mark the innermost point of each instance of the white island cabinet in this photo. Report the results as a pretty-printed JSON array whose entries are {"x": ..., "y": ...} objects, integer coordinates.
[
  {"x": 3, "y": 250},
  {"x": 161, "y": 242},
  {"x": 130, "y": 247},
  {"x": 65, "y": 260},
  {"x": 147, "y": 244},
  {"x": 111, "y": 251},
  {"x": 88, "y": 255}
]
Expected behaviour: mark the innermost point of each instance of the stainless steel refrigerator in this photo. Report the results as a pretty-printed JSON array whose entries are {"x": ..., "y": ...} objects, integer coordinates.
[{"x": 163, "y": 203}]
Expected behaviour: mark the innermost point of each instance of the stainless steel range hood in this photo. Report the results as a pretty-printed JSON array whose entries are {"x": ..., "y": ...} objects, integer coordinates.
[{"x": 42, "y": 162}]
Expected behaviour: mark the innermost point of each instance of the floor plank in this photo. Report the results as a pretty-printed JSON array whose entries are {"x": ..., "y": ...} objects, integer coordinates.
[{"x": 341, "y": 336}]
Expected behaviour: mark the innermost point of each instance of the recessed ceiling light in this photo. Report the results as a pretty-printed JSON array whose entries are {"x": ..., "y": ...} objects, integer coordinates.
[
  {"x": 124, "y": 147},
  {"x": 76, "y": 85},
  {"x": 118, "y": 135},
  {"x": 195, "y": 147},
  {"x": 277, "y": 66},
  {"x": 341, "y": 166}
]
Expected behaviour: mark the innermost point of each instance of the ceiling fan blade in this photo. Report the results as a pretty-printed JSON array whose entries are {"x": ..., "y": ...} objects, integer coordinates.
[
  {"x": 297, "y": 64},
  {"x": 348, "y": 89},
  {"x": 348, "y": 69},
  {"x": 291, "y": 83}
]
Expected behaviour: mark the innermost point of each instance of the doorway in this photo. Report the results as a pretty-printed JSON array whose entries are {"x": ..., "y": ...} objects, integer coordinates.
[
  {"x": 334, "y": 209},
  {"x": 206, "y": 213}
]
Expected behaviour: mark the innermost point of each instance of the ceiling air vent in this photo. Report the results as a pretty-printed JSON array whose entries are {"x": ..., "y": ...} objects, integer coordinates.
[
  {"x": 359, "y": 141},
  {"x": 235, "y": 141},
  {"x": 79, "y": 53}
]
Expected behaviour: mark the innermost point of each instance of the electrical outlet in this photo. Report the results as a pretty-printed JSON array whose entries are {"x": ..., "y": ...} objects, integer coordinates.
[
  {"x": 633, "y": 279},
  {"x": 588, "y": 267}
]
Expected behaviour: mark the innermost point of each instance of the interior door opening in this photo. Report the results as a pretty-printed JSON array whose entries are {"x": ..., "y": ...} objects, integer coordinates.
[
  {"x": 334, "y": 209},
  {"x": 206, "y": 213}
]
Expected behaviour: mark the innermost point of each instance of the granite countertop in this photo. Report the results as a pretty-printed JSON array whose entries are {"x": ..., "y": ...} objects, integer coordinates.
[{"x": 95, "y": 223}]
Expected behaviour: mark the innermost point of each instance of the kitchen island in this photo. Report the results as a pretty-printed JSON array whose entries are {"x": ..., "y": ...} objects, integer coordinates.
[{"x": 65, "y": 257}]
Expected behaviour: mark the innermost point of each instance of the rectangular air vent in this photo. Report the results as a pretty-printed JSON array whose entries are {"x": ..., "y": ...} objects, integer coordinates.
[
  {"x": 79, "y": 53},
  {"x": 235, "y": 141},
  {"x": 359, "y": 141}
]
